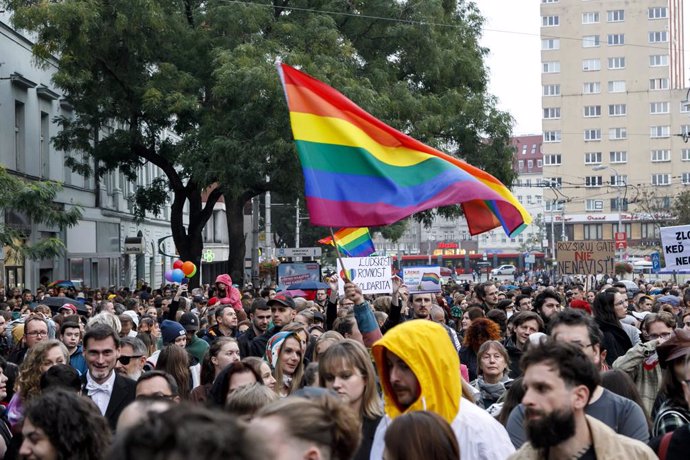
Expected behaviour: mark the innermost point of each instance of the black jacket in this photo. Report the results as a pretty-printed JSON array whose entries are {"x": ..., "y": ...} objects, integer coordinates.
[{"x": 124, "y": 392}]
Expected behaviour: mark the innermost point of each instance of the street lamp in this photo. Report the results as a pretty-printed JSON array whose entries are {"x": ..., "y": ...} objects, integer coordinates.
[{"x": 618, "y": 202}]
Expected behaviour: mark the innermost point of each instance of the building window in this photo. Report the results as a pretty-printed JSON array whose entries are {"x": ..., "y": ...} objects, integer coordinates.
[
  {"x": 617, "y": 86},
  {"x": 590, "y": 17},
  {"x": 539, "y": 164},
  {"x": 685, "y": 155},
  {"x": 618, "y": 157},
  {"x": 552, "y": 136},
  {"x": 594, "y": 205},
  {"x": 658, "y": 83},
  {"x": 592, "y": 134},
  {"x": 551, "y": 113},
  {"x": 590, "y": 41},
  {"x": 615, "y": 208},
  {"x": 658, "y": 37},
  {"x": 616, "y": 134},
  {"x": 19, "y": 136},
  {"x": 659, "y": 107},
  {"x": 619, "y": 181},
  {"x": 593, "y": 231},
  {"x": 617, "y": 110},
  {"x": 550, "y": 44},
  {"x": 552, "y": 90},
  {"x": 685, "y": 178},
  {"x": 661, "y": 179},
  {"x": 552, "y": 159},
  {"x": 658, "y": 60},
  {"x": 591, "y": 111},
  {"x": 657, "y": 12},
  {"x": 592, "y": 158},
  {"x": 549, "y": 21},
  {"x": 530, "y": 164},
  {"x": 553, "y": 205},
  {"x": 551, "y": 67},
  {"x": 552, "y": 182},
  {"x": 615, "y": 39},
  {"x": 594, "y": 181},
  {"x": 521, "y": 164},
  {"x": 616, "y": 63},
  {"x": 615, "y": 15},
  {"x": 648, "y": 231},
  {"x": 662, "y": 155},
  {"x": 656, "y": 132},
  {"x": 684, "y": 107},
  {"x": 592, "y": 87},
  {"x": 591, "y": 65}
]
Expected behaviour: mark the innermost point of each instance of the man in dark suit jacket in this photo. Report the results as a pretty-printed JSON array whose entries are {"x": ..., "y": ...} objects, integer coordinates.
[{"x": 110, "y": 391}]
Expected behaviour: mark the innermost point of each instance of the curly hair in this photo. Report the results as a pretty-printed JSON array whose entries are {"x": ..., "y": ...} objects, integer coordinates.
[
  {"x": 28, "y": 383},
  {"x": 481, "y": 330},
  {"x": 63, "y": 417}
]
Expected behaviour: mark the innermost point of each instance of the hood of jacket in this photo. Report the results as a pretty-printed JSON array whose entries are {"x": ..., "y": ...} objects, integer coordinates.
[
  {"x": 427, "y": 350},
  {"x": 232, "y": 294}
]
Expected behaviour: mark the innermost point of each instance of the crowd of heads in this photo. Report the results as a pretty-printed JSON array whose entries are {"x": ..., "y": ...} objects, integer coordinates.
[{"x": 155, "y": 373}]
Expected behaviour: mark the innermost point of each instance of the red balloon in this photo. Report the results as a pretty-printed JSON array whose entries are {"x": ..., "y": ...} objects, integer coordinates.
[
  {"x": 178, "y": 264},
  {"x": 188, "y": 268}
]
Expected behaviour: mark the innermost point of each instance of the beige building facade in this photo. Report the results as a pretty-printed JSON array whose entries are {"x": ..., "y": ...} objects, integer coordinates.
[{"x": 615, "y": 114}]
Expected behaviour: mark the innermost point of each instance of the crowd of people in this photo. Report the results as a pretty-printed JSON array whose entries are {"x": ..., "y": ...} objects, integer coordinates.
[{"x": 490, "y": 370}]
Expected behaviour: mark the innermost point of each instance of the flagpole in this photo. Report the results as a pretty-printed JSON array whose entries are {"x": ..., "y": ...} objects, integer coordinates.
[{"x": 340, "y": 258}]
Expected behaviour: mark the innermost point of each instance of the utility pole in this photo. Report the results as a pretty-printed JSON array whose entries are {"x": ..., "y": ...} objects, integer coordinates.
[{"x": 256, "y": 202}]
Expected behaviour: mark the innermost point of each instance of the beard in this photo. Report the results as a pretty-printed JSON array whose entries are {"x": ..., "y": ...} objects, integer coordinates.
[{"x": 550, "y": 429}]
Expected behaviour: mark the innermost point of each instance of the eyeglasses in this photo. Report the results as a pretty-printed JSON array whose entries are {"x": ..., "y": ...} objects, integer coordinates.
[
  {"x": 664, "y": 336},
  {"x": 37, "y": 333},
  {"x": 124, "y": 360}
]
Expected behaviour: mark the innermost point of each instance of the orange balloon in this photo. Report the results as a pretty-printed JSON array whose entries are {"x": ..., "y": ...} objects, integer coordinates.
[{"x": 188, "y": 267}]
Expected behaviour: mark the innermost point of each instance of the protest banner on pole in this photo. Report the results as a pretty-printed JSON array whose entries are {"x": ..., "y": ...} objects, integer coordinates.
[
  {"x": 675, "y": 242},
  {"x": 372, "y": 274},
  {"x": 422, "y": 279},
  {"x": 586, "y": 257}
]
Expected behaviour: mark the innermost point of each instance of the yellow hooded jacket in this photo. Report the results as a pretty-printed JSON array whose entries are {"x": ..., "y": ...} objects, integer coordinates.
[{"x": 427, "y": 350}]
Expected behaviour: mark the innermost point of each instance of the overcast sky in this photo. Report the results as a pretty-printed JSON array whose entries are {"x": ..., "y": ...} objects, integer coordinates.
[{"x": 511, "y": 32}]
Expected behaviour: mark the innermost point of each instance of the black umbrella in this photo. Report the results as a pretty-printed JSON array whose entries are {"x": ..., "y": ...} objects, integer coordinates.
[{"x": 56, "y": 302}]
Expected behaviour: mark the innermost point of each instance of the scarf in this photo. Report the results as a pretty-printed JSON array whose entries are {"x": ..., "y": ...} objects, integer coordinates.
[{"x": 492, "y": 391}]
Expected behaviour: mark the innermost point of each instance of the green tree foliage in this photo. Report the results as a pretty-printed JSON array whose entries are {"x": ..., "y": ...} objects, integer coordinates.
[
  {"x": 394, "y": 231},
  {"x": 204, "y": 71},
  {"x": 34, "y": 200}
]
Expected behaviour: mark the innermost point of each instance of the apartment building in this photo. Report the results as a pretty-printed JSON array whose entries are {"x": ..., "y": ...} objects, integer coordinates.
[
  {"x": 615, "y": 116},
  {"x": 107, "y": 247}
]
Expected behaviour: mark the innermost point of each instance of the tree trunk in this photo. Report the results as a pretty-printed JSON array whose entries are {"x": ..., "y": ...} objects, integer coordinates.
[
  {"x": 234, "y": 209},
  {"x": 189, "y": 241}
]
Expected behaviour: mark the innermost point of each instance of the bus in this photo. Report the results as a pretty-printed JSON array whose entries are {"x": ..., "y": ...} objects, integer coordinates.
[{"x": 467, "y": 263}]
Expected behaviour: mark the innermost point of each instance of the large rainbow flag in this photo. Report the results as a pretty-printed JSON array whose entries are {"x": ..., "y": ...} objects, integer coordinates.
[
  {"x": 360, "y": 172},
  {"x": 353, "y": 242}
]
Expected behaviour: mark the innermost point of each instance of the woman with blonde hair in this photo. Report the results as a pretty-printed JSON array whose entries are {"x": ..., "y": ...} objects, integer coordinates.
[
  {"x": 39, "y": 359},
  {"x": 284, "y": 353},
  {"x": 347, "y": 369},
  {"x": 326, "y": 340}
]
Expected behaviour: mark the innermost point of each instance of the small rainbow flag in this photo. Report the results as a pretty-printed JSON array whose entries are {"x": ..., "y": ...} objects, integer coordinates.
[
  {"x": 431, "y": 278},
  {"x": 360, "y": 172},
  {"x": 353, "y": 242}
]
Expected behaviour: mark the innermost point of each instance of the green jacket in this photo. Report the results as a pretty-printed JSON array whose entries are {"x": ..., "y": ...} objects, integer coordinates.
[{"x": 197, "y": 348}]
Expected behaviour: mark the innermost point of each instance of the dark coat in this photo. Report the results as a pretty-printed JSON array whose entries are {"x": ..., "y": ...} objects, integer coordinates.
[
  {"x": 614, "y": 340},
  {"x": 124, "y": 392}
]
